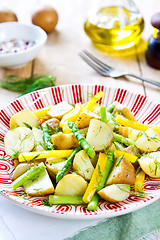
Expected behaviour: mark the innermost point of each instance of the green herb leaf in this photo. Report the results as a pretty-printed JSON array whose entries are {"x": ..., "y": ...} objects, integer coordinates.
[{"x": 26, "y": 85}]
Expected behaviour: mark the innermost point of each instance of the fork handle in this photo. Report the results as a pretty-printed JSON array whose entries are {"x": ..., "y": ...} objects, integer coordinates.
[{"x": 144, "y": 79}]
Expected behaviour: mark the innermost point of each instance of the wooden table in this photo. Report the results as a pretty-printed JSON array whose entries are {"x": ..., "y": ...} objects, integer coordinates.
[{"x": 60, "y": 55}]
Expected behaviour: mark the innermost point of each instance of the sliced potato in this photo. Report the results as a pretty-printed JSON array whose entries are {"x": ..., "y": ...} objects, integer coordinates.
[
  {"x": 38, "y": 136},
  {"x": 84, "y": 119},
  {"x": 54, "y": 167},
  {"x": 84, "y": 131},
  {"x": 122, "y": 172},
  {"x": 82, "y": 164},
  {"x": 115, "y": 192},
  {"x": 132, "y": 150},
  {"x": 99, "y": 135},
  {"x": 18, "y": 140},
  {"x": 149, "y": 141},
  {"x": 64, "y": 141},
  {"x": 53, "y": 123},
  {"x": 22, "y": 117},
  {"x": 121, "y": 109},
  {"x": 150, "y": 164},
  {"x": 60, "y": 109},
  {"x": 39, "y": 186},
  {"x": 117, "y": 146},
  {"x": 20, "y": 169},
  {"x": 134, "y": 134},
  {"x": 71, "y": 184}
]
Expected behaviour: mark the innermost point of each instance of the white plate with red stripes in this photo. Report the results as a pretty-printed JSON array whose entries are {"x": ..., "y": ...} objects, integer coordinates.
[{"x": 145, "y": 111}]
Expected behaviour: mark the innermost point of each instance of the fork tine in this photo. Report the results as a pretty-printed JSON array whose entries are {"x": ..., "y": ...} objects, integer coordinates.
[
  {"x": 100, "y": 63},
  {"x": 93, "y": 65}
]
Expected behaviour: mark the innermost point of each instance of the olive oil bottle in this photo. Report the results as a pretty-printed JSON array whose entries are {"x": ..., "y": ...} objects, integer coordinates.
[{"x": 114, "y": 28}]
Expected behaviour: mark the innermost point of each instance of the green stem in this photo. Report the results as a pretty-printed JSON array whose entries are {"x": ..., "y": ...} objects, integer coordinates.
[
  {"x": 92, "y": 205},
  {"x": 121, "y": 139},
  {"x": 69, "y": 161},
  {"x": 46, "y": 136},
  {"x": 30, "y": 174},
  {"x": 111, "y": 107},
  {"x": 82, "y": 141},
  {"x": 107, "y": 170},
  {"x": 103, "y": 114},
  {"x": 75, "y": 200}
]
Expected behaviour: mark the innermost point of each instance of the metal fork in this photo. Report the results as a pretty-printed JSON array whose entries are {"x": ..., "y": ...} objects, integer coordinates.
[{"x": 106, "y": 70}]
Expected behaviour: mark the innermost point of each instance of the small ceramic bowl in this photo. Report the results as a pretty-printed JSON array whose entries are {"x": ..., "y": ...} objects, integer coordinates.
[{"x": 18, "y": 31}]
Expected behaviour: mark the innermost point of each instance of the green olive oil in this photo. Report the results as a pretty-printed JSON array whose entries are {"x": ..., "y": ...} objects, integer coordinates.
[{"x": 114, "y": 28}]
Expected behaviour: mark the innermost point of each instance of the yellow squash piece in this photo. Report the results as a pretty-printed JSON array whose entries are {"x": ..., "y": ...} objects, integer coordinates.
[
  {"x": 93, "y": 184},
  {"x": 130, "y": 157},
  {"x": 40, "y": 113},
  {"x": 90, "y": 104},
  {"x": 28, "y": 156},
  {"x": 133, "y": 124},
  {"x": 71, "y": 116},
  {"x": 139, "y": 181}
]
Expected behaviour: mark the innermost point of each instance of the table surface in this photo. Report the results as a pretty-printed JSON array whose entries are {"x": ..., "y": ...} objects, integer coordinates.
[{"x": 60, "y": 57}]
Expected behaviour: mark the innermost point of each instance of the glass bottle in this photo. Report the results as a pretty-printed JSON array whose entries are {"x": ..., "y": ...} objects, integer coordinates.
[
  {"x": 114, "y": 24},
  {"x": 153, "y": 50}
]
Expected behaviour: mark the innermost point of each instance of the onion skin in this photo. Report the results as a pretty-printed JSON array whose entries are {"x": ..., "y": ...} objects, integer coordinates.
[
  {"x": 8, "y": 16},
  {"x": 46, "y": 18}
]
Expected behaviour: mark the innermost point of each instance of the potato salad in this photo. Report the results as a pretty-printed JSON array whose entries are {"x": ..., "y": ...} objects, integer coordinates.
[{"x": 82, "y": 153}]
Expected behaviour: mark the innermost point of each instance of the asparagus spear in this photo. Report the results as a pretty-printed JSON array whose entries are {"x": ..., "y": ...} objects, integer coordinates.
[
  {"x": 111, "y": 107},
  {"x": 92, "y": 205},
  {"x": 46, "y": 136},
  {"x": 82, "y": 141},
  {"x": 62, "y": 171},
  {"x": 53, "y": 199},
  {"x": 30, "y": 174},
  {"x": 107, "y": 170},
  {"x": 121, "y": 139},
  {"x": 103, "y": 114}
]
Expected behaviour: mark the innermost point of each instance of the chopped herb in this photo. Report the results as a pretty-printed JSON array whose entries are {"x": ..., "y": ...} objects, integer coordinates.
[
  {"x": 16, "y": 153},
  {"x": 138, "y": 171},
  {"x": 99, "y": 171},
  {"x": 46, "y": 203},
  {"x": 120, "y": 160},
  {"x": 2, "y": 139},
  {"x": 90, "y": 94},
  {"x": 34, "y": 158},
  {"x": 9, "y": 175},
  {"x": 27, "y": 125}
]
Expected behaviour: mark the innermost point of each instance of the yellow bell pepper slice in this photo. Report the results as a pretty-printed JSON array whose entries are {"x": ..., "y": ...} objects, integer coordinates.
[
  {"x": 90, "y": 104},
  {"x": 93, "y": 184},
  {"x": 135, "y": 125},
  {"x": 140, "y": 177},
  {"x": 130, "y": 157},
  {"x": 40, "y": 113},
  {"x": 28, "y": 156},
  {"x": 72, "y": 115}
]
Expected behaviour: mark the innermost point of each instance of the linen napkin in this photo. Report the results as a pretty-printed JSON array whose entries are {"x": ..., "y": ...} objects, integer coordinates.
[{"x": 131, "y": 226}]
